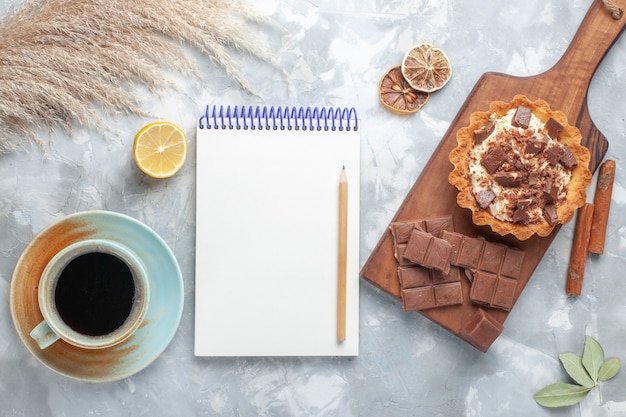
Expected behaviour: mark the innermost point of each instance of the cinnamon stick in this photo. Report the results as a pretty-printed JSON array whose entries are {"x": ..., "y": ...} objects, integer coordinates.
[
  {"x": 602, "y": 205},
  {"x": 580, "y": 249}
]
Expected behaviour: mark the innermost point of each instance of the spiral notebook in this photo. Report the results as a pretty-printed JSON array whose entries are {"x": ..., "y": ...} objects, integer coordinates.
[{"x": 267, "y": 231}]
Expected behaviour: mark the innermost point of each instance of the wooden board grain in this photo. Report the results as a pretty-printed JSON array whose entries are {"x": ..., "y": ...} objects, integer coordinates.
[{"x": 565, "y": 88}]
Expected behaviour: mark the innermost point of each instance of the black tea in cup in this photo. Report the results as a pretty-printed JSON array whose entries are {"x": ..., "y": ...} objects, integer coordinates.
[{"x": 95, "y": 292}]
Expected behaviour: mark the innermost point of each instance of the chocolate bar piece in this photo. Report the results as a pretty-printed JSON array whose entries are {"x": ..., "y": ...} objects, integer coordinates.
[
  {"x": 494, "y": 268},
  {"x": 429, "y": 251},
  {"x": 401, "y": 232},
  {"x": 483, "y": 133},
  {"x": 522, "y": 116},
  {"x": 481, "y": 330},
  {"x": 493, "y": 159},
  {"x": 554, "y": 128},
  {"x": 423, "y": 288}
]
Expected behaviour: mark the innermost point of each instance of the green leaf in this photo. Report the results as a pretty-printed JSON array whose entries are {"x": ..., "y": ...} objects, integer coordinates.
[
  {"x": 609, "y": 369},
  {"x": 573, "y": 364},
  {"x": 559, "y": 395},
  {"x": 593, "y": 357}
]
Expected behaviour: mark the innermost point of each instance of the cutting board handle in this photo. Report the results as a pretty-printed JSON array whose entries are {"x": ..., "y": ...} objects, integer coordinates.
[{"x": 595, "y": 36}]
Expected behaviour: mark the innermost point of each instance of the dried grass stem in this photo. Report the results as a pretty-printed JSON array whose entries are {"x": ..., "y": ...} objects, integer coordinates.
[{"x": 59, "y": 59}]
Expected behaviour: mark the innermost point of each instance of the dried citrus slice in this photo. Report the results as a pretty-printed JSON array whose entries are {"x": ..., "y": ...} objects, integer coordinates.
[
  {"x": 397, "y": 95},
  {"x": 426, "y": 68},
  {"x": 160, "y": 149}
]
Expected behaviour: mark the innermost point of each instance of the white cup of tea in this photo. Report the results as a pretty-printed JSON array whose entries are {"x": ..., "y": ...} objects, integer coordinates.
[{"x": 93, "y": 294}]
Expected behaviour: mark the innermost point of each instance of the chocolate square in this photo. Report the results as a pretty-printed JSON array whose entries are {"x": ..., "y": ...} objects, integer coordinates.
[
  {"x": 417, "y": 247},
  {"x": 438, "y": 256},
  {"x": 493, "y": 159},
  {"x": 417, "y": 298},
  {"x": 454, "y": 275},
  {"x": 481, "y": 330},
  {"x": 448, "y": 294},
  {"x": 483, "y": 133},
  {"x": 504, "y": 294},
  {"x": 416, "y": 276},
  {"x": 401, "y": 231},
  {"x": 567, "y": 158},
  {"x": 429, "y": 251},
  {"x": 470, "y": 251},
  {"x": 455, "y": 240},
  {"x": 522, "y": 117},
  {"x": 512, "y": 265},
  {"x": 437, "y": 225},
  {"x": 420, "y": 287},
  {"x": 399, "y": 255},
  {"x": 483, "y": 287},
  {"x": 492, "y": 257},
  {"x": 554, "y": 128}
]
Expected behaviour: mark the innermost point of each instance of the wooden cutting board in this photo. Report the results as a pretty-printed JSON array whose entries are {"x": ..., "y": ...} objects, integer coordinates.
[{"x": 564, "y": 87}]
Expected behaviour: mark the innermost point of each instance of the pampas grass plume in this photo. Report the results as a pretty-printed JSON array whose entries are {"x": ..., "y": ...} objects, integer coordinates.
[{"x": 61, "y": 59}]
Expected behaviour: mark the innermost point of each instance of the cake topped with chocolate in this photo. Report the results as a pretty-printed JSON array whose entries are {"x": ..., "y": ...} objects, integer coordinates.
[{"x": 520, "y": 168}]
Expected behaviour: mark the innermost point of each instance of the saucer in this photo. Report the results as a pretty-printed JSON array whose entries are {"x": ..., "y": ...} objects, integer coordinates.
[{"x": 161, "y": 320}]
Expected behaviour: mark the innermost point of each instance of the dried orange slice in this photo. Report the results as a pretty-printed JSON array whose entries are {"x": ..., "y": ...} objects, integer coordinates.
[
  {"x": 397, "y": 95},
  {"x": 160, "y": 149},
  {"x": 426, "y": 68}
]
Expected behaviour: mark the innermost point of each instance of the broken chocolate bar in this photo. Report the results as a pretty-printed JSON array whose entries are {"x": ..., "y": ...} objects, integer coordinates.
[
  {"x": 493, "y": 290},
  {"x": 494, "y": 268},
  {"x": 427, "y": 250},
  {"x": 401, "y": 232},
  {"x": 466, "y": 250},
  {"x": 423, "y": 288},
  {"x": 481, "y": 330}
]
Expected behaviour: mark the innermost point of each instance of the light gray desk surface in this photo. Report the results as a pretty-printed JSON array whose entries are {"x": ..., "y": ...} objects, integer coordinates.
[{"x": 335, "y": 53}]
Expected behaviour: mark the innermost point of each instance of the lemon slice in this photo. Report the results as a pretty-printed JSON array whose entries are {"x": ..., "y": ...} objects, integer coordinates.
[
  {"x": 397, "y": 95},
  {"x": 160, "y": 149},
  {"x": 426, "y": 68}
]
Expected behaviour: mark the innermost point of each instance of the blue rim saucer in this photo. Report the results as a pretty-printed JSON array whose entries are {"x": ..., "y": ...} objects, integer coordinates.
[{"x": 162, "y": 318}]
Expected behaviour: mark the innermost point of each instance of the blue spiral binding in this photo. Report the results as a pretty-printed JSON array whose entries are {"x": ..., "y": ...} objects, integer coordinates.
[{"x": 275, "y": 118}]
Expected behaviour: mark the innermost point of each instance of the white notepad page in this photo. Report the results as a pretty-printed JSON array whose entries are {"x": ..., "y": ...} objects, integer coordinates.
[{"x": 267, "y": 225}]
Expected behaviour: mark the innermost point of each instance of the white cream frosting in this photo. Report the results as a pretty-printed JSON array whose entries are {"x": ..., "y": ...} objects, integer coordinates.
[{"x": 504, "y": 132}]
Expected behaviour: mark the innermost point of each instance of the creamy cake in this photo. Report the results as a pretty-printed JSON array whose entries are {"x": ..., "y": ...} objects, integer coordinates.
[{"x": 520, "y": 168}]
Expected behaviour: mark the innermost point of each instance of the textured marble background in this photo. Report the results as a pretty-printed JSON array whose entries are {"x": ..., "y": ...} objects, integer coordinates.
[{"x": 335, "y": 53}]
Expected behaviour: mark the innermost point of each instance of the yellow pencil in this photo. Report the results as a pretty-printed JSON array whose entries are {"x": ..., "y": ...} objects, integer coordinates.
[{"x": 343, "y": 254}]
